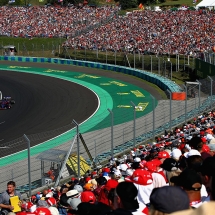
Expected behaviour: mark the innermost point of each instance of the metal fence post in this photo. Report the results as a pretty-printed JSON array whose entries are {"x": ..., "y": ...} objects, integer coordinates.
[
  {"x": 115, "y": 57},
  {"x": 78, "y": 146},
  {"x": 64, "y": 162},
  {"x": 184, "y": 62},
  {"x": 158, "y": 65},
  {"x": 199, "y": 93},
  {"x": 134, "y": 128},
  {"x": 111, "y": 112},
  {"x": 134, "y": 60},
  {"x": 185, "y": 118},
  {"x": 43, "y": 49},
  {"x": 151, "y": 62},
  {"x": 142, "y": 61},
  {"x": 95, "y": 152},
  {"x": 153, "y": 103},
  {"x": 211, "y": 90},
  {"x": 170, "y": 70},
  {"x": 170, "y": 117},
  {"x": 29, "y": 162},
  {"x": 178, "y": 62}
]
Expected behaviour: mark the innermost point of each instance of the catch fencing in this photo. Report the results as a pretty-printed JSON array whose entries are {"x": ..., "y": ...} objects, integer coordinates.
[{"x": 111, "y": 139}]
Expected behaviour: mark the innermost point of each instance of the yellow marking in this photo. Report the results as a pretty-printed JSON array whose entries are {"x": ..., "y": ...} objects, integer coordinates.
[
  {"x": 88, "y": 76},
  {"x": 21, "y": 67},
  {"x": 141, "y": 106},
  {"x": 118, "y": 83},
  {"x": 137, "y": 93},
  {"x": 52, "y": 70},
  {"x": 105, "y": 84},
  {"x": 124, "y": 106},
  {"x": 123, "y": 93}
]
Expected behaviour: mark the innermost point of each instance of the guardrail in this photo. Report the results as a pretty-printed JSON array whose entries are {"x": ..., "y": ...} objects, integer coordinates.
[{"x": 156, "y": 79}]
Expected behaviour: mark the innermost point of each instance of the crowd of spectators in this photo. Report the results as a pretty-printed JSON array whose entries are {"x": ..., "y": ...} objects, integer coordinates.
[
  {"x": 184, "y": 32},
  {"x": 174, "y": 175},
  {"x": 49, "y": 21}
]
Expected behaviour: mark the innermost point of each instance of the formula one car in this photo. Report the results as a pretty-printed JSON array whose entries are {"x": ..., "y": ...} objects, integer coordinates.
[{"x": 6, "y": 103}]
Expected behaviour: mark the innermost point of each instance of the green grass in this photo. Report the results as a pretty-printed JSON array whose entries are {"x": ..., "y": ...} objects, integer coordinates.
[
  {"x": 51, "y": 47},
  {"x": 177, "y": 3},
  {"x": 36, "y": 47}
]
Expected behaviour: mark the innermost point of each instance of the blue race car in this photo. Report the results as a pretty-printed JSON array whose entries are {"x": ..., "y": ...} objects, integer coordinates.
[{"x": 6, "y": 103}]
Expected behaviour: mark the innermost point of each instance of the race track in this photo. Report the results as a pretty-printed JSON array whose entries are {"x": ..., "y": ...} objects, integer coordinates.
[{"x": 42, "y": 104}]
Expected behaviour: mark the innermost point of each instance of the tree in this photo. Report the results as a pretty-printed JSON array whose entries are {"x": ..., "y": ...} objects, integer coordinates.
[
  {"x": 126, "y": 4},
  {"x": 3, "y": 2}
]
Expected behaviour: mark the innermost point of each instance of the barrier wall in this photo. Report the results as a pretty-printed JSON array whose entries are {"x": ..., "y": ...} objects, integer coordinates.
[{"x": 160, "y": 81}]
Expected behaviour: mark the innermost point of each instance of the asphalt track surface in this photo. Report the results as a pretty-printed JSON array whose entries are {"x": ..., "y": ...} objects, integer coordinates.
[{"x": 44, "y": 103}]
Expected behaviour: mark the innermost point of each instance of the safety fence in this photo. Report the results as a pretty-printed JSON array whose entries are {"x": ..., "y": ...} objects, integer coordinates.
[{"x": 108, "y": 138}]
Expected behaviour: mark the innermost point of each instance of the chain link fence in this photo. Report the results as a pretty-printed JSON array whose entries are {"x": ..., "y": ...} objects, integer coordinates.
[{"x": 167, "y": 115}]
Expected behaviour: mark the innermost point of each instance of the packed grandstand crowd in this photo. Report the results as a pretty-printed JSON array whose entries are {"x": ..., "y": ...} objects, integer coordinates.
[
  {"x": 183, "y": 31},
  {"x": 174, "y": 175},
  {"x": 49, "y": 21}
]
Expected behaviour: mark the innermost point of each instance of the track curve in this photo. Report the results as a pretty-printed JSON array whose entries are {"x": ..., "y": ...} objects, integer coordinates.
[{"x": 42, "y": 104}]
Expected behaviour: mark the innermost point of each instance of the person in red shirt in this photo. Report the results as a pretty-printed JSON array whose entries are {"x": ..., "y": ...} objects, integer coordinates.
[{"x": 103, "y": 196}]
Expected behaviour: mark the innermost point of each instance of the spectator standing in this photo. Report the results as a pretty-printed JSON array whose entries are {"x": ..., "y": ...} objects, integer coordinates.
[{"x": 5, "y": 205}]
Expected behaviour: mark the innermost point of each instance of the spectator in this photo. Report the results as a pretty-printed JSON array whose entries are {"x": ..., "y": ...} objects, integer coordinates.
[
  {"x": 5, "y": 205},
  {"x": 168, "y": 199},
  {"x": 191, "y": 182},
  {"x": 125, "y": 198}
]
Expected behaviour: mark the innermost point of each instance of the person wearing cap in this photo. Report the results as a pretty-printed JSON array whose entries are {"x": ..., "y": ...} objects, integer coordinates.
[
  {"x": 62, "y": 204},
  {"x": 103, "y": 195},
  {"x": 170, "y": 168},
  {"x": 158, "y": 179},
  {"x": 200, "y": 146},
  {"x": 168, "y": 199},
  {"x": 125, "y": 199},
  {"x": 136, "y": 163},
  {"x": 123, "y": 167},
  {"x": 191, "y": 183},
  {"x": 52, "y": 203},
  {"x": 208, "y": 176},
  {"x": 143, "y": 180},
  {"x": 162, "y": 155},
  {"x": 88, "y": 196},
  {"x": 93, "y": 182},
  {"x": 195, "y": 162},
  {"x": 176, "y": 154},
  {"x": 73, "y": 199},
  {"x": 101, "y": 181}
]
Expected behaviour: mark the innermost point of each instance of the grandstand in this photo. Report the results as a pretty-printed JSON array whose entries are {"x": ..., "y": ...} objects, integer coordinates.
[{"x": 129, "y": 121}]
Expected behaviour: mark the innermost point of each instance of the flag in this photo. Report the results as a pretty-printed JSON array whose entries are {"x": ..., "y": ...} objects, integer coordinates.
[{"x": 141, "y": 6}]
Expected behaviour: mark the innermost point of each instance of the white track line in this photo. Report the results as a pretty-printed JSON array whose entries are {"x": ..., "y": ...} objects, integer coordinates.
[{"x": 2, "y": 122}]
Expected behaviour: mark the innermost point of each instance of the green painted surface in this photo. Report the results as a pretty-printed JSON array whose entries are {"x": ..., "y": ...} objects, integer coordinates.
[{"x": 113, "y": 94}]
